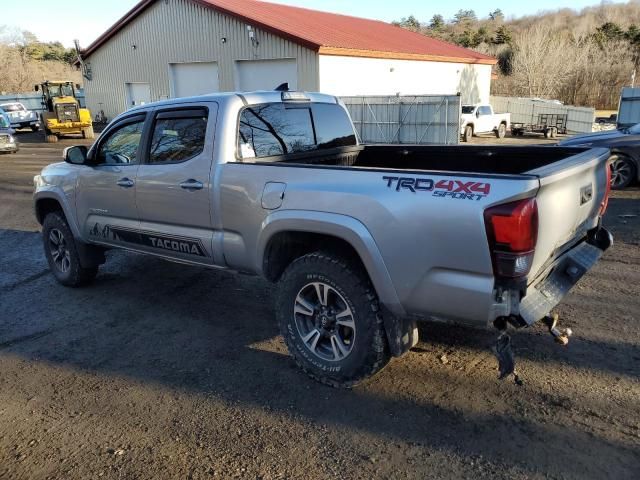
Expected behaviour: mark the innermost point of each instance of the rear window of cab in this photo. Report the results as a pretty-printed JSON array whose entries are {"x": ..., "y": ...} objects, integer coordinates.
[{"x": 276, "y": 129}]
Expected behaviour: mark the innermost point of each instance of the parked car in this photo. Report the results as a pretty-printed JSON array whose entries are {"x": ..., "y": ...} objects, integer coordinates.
[
  {"x": 624, "y": 144},
  {"x": 21, "y": 117},
  {"x": 8, "y": 143},
  {"x": 481, "y": 119},
  {"x": 610, "y": 120},
  {"x": 362, "y": 240}
]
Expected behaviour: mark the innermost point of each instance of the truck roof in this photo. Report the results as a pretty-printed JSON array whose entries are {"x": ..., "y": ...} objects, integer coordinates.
[{"x": 249, "y": 98}]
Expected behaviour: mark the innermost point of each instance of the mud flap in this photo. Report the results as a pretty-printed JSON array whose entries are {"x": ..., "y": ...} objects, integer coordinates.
[
  {"x": 402, "y": 334},
  {"x": 90, "y": 255}
]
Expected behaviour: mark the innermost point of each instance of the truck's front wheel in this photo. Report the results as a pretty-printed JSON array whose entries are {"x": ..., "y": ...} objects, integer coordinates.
[
  {"x": 329, "y": 317},
  {"x": 62, "y": 254},
  {"x": 468, "y": 133}
]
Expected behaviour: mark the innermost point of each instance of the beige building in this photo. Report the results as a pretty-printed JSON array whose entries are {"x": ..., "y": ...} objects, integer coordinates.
[{"x": 176, "y": 48}]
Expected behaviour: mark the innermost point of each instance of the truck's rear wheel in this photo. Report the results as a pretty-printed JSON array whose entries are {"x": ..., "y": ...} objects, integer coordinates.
[
  {"x": 329, "y": 317},
  {"x": 88, "y": 133},
  {"x": 50, "y": 137},
  {"x": 501, "y": 131},
  {"x": 468, "y": 133},
  {"x": 62, "y": 255}
]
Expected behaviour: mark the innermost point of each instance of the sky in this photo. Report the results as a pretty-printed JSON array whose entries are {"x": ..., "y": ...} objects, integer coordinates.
[{"x": 86, "y": 20}]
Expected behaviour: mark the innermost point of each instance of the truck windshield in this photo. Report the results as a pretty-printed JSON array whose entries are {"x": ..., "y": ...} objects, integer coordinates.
[
  {"x": 12, "y": 107},
  {"x": 467, "y": 109},
  {"x": 61, "y": 90},
  {"x": 274, "y": 129}
]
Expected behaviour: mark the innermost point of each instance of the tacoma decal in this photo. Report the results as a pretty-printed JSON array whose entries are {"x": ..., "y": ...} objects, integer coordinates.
[
  {"x": 457, "y": 189},
  {"x": 190, "y": 246}
]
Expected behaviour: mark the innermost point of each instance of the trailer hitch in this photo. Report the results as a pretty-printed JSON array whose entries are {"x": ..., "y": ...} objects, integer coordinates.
[{"x": 561, "y": 336}]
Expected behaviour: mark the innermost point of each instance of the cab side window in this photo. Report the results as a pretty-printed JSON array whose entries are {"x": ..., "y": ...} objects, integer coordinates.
[
  {"x": 178, "y": 136},
  {"x": 122, "y": 146}
]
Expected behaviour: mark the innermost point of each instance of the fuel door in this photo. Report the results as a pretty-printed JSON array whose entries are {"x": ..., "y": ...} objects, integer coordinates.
[{"x": 272, "y": 195}]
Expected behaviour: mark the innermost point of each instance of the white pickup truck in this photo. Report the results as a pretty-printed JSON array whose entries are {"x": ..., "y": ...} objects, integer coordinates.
[{"x": 481, "y": 119}]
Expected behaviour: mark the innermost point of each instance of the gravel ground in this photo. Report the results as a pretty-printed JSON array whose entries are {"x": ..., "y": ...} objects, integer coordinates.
[{"x": 164, "y": 371}]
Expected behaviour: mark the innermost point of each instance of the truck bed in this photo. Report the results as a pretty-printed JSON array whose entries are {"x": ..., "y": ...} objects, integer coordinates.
[{"x": 506, "y": 160}]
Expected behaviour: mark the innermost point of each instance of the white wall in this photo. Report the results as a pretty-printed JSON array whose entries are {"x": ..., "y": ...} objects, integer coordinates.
[{"x": 375, "y": 76}]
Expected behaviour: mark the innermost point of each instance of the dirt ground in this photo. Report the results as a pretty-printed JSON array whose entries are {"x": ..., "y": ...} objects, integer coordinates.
[{"x": 158, "y": 370}]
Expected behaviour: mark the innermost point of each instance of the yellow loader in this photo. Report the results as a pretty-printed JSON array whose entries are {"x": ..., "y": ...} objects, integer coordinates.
[{"x": 62, "y": 114}]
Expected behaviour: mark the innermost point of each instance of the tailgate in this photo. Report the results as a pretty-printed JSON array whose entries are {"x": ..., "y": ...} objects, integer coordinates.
[{"x": 569, "y": 203}]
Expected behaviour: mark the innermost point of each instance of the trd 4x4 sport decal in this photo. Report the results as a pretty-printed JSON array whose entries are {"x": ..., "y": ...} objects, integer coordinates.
[
  {"x": 458, "y": 189},
  {"x": 171, "y": 243}
]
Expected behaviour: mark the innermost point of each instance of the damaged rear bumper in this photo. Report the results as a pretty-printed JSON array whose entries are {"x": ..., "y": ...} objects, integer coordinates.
[{"x": 560, "y": 277}]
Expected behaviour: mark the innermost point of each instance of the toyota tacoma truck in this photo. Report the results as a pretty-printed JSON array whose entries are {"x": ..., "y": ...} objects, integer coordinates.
[
  {"x": 363, "y": 241},
  {"x": 476, "y": 119}
]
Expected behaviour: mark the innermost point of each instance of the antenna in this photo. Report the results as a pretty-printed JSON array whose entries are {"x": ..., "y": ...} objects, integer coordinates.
[{"x": 283, "y": 87}]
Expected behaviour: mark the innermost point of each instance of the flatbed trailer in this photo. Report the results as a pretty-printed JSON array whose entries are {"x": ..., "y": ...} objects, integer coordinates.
[{"x": 549, "y": 124}]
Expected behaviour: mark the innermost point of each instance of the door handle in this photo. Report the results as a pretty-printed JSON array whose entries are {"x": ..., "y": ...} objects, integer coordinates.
[
  {"x": 192, "y": 184},
  {"x": 125, "y": 182}
]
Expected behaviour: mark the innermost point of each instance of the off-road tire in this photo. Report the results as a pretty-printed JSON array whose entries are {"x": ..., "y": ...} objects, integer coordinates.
[
  {"x": 501, "y": 131},
  {"x": 88, "y": 133},
  {"x": 468, "y": 133},
  {"x": 76, "y": 275},
  {"x": 370, "y": 351},
  {"x": 50, "y": 138}
]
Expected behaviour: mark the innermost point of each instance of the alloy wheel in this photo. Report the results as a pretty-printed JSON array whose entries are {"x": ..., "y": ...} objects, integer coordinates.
[
  {"x": 621, "y": 172},
  {"x": 325, "y": 322},
  {"x": 59, "y": 250}
]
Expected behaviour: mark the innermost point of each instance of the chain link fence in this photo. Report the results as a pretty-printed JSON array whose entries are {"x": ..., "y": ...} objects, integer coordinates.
[
  {"x": 410, "y": 119},
  {"x": 526, "y": 110}
]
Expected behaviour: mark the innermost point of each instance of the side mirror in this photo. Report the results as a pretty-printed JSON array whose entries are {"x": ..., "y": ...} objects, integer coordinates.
[
  {"x": 477, "y": 113},
  {"x": 36, "y": 87},
  {"x": 76, "y": 155}
]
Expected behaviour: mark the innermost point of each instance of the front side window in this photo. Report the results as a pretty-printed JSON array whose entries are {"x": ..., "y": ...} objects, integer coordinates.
[
  {"x": 122, "y": 145},
  {"x": 280, "y": 129},
  {"x": 178, "y": 138}
]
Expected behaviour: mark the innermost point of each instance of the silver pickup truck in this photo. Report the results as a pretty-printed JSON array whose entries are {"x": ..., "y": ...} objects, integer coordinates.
[{"x": 362, "y": 240}]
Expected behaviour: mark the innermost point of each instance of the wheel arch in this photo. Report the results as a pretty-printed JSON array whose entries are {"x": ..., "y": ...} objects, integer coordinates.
[
  {"x": 49, "y": 201},
  {"x": 287, "y": 235}
]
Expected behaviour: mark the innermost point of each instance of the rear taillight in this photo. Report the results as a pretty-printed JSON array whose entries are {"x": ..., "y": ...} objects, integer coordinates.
[
  {"x": 512, "y": 231},
  {"x": 607, "y": 191}
]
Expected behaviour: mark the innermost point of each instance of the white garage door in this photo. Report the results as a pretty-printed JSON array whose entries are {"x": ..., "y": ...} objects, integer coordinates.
[
  {"x": 197, "y": 78},
  {"x": 266, "y": 74},
  {"x": 138, "y": 93}
]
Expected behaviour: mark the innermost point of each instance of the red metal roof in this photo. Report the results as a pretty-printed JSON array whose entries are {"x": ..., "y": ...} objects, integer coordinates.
[{"x": 328, "y": 33}]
